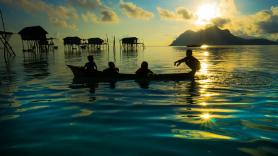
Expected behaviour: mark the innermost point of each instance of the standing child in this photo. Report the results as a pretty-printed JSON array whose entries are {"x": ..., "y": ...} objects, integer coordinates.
[{"x": 191, "y": 62}]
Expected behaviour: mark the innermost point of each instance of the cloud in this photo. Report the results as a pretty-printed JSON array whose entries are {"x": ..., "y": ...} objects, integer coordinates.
[
  {"x": 62, "y": 23},
  {"x": 57, "y": 15},
  {"x": 183, "y": 13},
  {"x": 133, "y": 11},
  {"x": 107, "y": 16},
  {"x": 64, "y": 15},
  {"x": 94, "y": 9},
  {"x": 270, "y": 24},
  {"x": 89, "y": 17},
  {"x": 228, "y": 8},
  {"x": 261, "y": 24},
  {"x": 88, "y": 4},
  {"x": 180, "y": 14},
  {"x": 219, "y": 21},
  {"x": 166, "y": 14}
]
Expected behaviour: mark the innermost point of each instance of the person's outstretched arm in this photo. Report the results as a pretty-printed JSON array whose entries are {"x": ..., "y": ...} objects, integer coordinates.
[{"x": 178, "y": 62}]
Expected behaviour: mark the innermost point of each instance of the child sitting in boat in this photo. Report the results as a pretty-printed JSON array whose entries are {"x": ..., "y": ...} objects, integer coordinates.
[
  {"x": 111, "y": 70},
  {"x": 191, "y": 62},
  {"x": 91, "y": 65},
  {"x": 144, "y": 71}
]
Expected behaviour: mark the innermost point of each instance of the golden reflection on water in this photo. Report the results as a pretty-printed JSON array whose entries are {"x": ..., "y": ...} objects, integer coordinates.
[
  {"x": 83, "y": 112},
  {"x": 206, "y": 116},
  {"x": 20, "y": 110},
  {"x": 201, "y": 113},
  {"x": 204, "y": 46},
  {"x": 197, "y": 134},
  {"x": 216, "y": 110},
  {"x": 206, "y": 53},
  {"x": 203, "y": 104},
  {"x": 204, "y": 68}
]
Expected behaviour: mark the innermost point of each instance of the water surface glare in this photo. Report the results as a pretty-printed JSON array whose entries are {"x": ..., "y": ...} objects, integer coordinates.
[{"x": 230, "y": 108}]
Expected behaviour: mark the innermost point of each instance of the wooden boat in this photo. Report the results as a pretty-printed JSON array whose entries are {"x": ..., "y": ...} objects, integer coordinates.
[{"x": 80, "y": 74}]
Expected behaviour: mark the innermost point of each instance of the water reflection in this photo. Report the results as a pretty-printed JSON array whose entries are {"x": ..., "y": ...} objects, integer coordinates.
[
  {"x": 144, "y": 84},
  {"x": 130, "y": 52},
  {"x": 193, "y": 91},
  {"x": 259, "y": 151},
  {"x": 195, "y": 108},
  {"x": 8, "y": 73},
  {"x": 95, "y": 51},
  {"x": 83, "y": 113},
  {"x": 198, "y": 134},
  {"x": 70, "y": 54},
  {"x": 36, "y": 67},
  {"x": 206, "y": 53},
  {"x": 204, "y": 110},
  {"x": 129, "y": 56},
  {"x": 8, "y": 117}
]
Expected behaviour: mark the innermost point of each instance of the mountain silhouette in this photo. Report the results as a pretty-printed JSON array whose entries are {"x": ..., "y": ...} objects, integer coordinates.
[{"x": 215, "y": 36}]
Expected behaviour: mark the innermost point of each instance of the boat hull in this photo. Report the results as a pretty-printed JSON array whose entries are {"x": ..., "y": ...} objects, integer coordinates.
[{"x": 81, "y": 75}]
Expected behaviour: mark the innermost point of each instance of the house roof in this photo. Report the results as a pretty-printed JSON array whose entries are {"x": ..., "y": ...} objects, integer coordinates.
[
  {"x": 33, "y": 30},
  {"x": 72, "y": 38},
  {"x": 130, "y": 38},
  {"x": 94, "y": 39}
]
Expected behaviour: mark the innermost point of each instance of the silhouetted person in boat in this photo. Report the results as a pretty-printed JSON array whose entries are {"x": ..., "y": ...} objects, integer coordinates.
[
  {"x": 190, "y": 61},
  {"x": 144, "y": 71},
  {"x": 90, "y": 66},
  {"x": 111, "y": 70}
]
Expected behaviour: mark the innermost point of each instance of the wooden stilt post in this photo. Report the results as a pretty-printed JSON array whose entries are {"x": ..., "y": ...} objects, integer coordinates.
[{"x": 4, "y": 38}]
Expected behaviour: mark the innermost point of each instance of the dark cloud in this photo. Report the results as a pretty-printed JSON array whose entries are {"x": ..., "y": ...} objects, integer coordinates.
[
  {"x": 263, "y": 23},
  {"x": 269, "y": 26},
  {"x": 183, "y": 13},
  {"x": 109, "y": 16}
]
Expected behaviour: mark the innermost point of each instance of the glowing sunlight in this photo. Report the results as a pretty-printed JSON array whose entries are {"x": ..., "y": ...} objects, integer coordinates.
[
  {"x": 205, "y": 116},
  {"x": 204, "y": 46},
  {"x": 205, "y": 13},
  {"x": 206, "y": 53}
]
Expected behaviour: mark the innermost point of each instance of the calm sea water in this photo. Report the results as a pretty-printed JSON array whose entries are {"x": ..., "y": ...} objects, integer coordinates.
[{"x": 230, "y": 109}]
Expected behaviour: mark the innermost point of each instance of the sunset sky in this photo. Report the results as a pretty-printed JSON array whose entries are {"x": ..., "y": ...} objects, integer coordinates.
[{"x": 156, "y": 22}]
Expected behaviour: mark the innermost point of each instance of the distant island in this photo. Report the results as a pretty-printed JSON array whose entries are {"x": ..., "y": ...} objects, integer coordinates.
[{"x": 215, "y": 36}]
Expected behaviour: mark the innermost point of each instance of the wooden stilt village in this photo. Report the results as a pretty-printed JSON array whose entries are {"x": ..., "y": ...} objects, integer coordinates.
[{"x": 35, "y": 41}]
